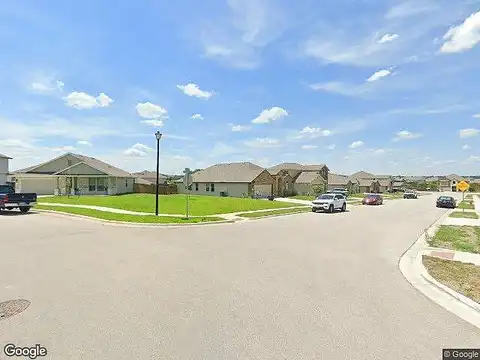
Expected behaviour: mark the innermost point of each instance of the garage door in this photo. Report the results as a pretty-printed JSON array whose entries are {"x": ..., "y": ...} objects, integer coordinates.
[
  {"x": 38, "y": 186},
  {"x": 262, "y": 189}
]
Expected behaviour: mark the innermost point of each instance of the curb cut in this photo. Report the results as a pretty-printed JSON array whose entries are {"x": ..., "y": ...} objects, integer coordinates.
[
  {"x": 411, "y": 267},
  {"x": 133, "y": 224}
]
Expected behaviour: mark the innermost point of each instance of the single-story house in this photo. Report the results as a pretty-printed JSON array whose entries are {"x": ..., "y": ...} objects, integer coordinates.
[
  {"x": 368, "y": 186},
  {"x": 231, "y": 179},
  {"x": 378, "y": 183},
  {"x": 4, "y": 168},
  {"x": 336, "y": 181},
  {"x": 307, "y": 181},
  {"x": 70, "y": 173},
  {"x": 149, "y": 177},
  {"x": 286, "y": 175}
]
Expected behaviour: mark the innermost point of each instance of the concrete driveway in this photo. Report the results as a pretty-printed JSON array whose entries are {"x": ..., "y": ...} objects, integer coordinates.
[{"x": 308, "y": 286}]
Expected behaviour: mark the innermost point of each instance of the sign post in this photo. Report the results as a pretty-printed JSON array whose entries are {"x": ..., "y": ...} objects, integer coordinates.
[
  {"x": 187, "y": 181},
  {"x": 463, "y": 186}
]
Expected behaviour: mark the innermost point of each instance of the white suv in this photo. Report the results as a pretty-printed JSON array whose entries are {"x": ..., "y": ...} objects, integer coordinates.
[{"x": 329, "y": 202}]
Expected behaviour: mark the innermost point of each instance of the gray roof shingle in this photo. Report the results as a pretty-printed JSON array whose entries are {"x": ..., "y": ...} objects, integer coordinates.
[
  {"x": 336, "y": 179},
  {"x": 5, "y": 156},
  {"x": 307, "y": 177},
  {"x": 243, "y": 172}
]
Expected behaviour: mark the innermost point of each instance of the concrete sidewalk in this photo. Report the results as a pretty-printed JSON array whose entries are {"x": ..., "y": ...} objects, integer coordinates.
[
  {"x": 465, "y": 257},
  {"x": 465, "y": 222}
]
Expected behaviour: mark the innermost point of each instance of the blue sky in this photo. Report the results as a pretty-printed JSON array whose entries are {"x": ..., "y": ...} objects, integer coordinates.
[{"x": 384, "y": 86}]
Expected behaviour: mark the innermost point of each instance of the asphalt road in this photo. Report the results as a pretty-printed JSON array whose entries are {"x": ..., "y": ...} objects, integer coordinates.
[{"x": 308, "y": 286}]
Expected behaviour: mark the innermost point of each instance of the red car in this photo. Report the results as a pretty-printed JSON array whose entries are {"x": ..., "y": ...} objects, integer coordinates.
[{"x": 372, "y": 199}]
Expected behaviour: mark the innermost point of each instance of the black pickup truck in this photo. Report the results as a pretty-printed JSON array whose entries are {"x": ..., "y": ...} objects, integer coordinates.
[{"x": 10, "y": 200}]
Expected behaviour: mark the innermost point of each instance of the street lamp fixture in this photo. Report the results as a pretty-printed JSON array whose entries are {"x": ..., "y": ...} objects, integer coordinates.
[{"x": 158, "y": 136}]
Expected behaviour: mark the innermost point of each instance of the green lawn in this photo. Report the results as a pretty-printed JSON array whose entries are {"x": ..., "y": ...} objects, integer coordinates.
[
  {"x": 466, "y": 205},
  {"x": 461, "y": 277},
  {"x": 303, "y": 197},
  {"x": 171, "y": 204},
  {"x": 464, "y": 215},
  {"x": 146, "y": 219},
  {"x": 275, "y": 212},
  {"x": 460, "y": 238}
]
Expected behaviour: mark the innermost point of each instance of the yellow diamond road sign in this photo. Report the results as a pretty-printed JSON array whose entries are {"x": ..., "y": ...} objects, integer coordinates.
[{"x": 462, "y": 186}]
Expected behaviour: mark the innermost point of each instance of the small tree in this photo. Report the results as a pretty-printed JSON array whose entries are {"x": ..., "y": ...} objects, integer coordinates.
[{"x": 317, "y": 189}]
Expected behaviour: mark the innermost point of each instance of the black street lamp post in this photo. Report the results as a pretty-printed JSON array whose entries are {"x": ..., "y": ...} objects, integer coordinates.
[{"x": 158, "y": 136}]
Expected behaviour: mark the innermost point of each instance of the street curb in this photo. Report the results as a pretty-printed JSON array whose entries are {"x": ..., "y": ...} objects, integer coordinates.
[
  {"x": 273, "y": 216},
  {"x": 411, "y": 267},
  {"x": 133, "y": 224}
]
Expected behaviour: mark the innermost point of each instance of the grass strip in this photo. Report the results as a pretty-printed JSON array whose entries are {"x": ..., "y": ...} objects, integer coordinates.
[
  {"x": 458, "y": 276},
  {"x": 459, "y": 238},
  {"x": 464, "y": 215},
  {"x": 260, "y": 214},
  {"x": 144, "y": 219}
]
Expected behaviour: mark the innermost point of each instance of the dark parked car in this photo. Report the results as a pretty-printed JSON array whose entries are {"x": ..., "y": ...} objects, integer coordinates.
[
  {"x": 446, "y": 202},
  {"x": 10, "y": 200},
  {"x": 372, "y": 199}
]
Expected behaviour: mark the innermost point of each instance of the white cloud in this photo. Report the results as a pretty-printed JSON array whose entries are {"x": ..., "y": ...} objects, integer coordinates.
[
  {"x": 464, "y": 36},
  {"x": 63, "y": 149},
  {"x": 465, "y": 133},
  {"x": 239, "y": 128},
  {"x": 331, "y": 147},
  {"x": 338, "y": 87},
  {"x": 46, "y": 84},
  {"x": 313, "y": 132},
  {"x": 81, "y": 100},
  {"x": 410, "y": 8},
  {"x": 148, "y": 110},
  {"x": 84, "y": 143},
  {"x": 476, "y": 116},
  {"x": 194, "y": 90},
  {"x": 263, "y": 143},
  {"x": 138, "y": 150},
  {"x": 269, "y": 115},
  {"x": 196, "y": 117},
  {"x": 406, "y": 135},
  {"x": 237, "y": 41},
  {"x": 153, "y": 122},
  {"x": 356, "y": 144},
  {"x": 181, "y": 158},
  {"x": 387, "y": 38},
  {"x": 465, "y": 147},
  {"x": 309, "y": 147},
  {"x": 379, "y": 74},
  {"x": 379, "y": 151}
]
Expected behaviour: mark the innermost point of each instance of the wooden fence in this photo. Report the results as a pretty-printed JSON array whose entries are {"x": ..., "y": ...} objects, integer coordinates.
[{"x": 150, "y": 189}]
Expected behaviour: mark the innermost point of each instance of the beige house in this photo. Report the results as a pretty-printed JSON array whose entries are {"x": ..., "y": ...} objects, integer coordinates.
[
  {"x": 307, "y": 182},
  {"x": 368, "y": 186},
  {"x": 73, "y": 173},
  {"x": 286, "y": 176},
  {"x": 375, "y": 183},
  {"x": 231, "y": 179},
  {"x": 4, "y": 168},
  {"x": 450, "y": 182},
  {"x": 149, "y": 177},
  {"x": 336, "y": 181}
]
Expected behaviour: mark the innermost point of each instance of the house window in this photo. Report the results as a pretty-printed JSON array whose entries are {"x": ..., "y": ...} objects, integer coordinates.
[
  {"x": 92, "y": 184},
  {"x": 207, "y": 187},
  {"x": 69, "y": 162},
  {"x": 196, "y": 186},
  {"x": 126, "y": 182},
  {"x": 101, "y": 184},
  {"x": 212, "y": 187}
]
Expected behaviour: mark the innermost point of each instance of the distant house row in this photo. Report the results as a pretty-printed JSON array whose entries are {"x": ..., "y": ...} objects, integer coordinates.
[{"x": 69, "y": 173}]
